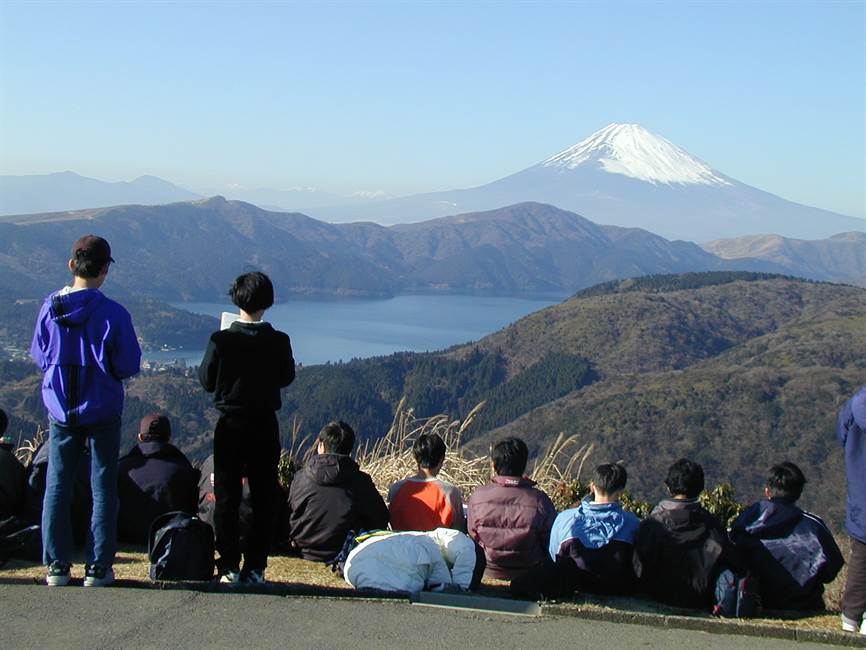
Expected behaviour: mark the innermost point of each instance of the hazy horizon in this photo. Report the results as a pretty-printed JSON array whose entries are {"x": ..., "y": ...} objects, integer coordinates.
[{"x": 395, "y": 99}]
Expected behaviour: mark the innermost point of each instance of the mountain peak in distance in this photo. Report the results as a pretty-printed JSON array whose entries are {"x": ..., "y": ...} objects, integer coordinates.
[{"x": 632, "y": 150}]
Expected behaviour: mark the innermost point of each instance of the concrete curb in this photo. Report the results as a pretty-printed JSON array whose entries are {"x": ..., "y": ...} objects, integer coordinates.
[
  {"x": 711, "y": 625},
  {"x": 214, "y": 587}
]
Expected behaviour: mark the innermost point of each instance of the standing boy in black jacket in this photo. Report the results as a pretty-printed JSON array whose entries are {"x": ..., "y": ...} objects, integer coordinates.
[{"x": 244, "y": 367}]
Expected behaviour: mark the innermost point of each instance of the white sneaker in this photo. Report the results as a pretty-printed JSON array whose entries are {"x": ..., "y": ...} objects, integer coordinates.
[
  {"x": 230, "y": 577},
  {"x": 848, "y": 625},
  {"x": 863, "y": 627},
  {"x": 58, "y": 574},
  {"x": 98, "y": 576}
]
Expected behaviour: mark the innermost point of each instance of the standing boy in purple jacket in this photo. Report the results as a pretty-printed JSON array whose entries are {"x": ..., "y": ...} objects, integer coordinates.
[
  {"x": 86, "y": 346},
  {"x": 851, "y": 432}
]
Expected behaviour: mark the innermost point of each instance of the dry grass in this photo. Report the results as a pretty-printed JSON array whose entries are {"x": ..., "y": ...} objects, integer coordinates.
[
  {"x": 27, "y": 449},
  {"x": 390, "y": 458}
]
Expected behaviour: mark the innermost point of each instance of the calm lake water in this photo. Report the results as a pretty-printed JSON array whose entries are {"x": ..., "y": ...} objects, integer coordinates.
[{"x": 345, "y": 329}]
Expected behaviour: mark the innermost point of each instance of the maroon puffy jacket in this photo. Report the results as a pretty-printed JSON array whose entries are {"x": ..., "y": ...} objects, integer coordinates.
[{"x": 511, "y": 520}]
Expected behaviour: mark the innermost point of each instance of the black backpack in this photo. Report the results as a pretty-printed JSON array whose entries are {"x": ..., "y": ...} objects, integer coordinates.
[
  {"x": 19, "y": 540},
  {"x": 180, "y": 547}
]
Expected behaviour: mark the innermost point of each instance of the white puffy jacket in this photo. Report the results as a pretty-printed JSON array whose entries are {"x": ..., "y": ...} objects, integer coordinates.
[{"x": 412, "y": 561}]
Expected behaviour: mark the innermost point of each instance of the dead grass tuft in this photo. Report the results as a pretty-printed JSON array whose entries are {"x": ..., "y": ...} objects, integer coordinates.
[{"x": 390, "y": 458}]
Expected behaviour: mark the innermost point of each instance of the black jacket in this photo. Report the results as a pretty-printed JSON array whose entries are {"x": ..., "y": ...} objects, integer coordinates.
[
  {"x": 679, "y": 552},
  {"x": 13, "y": 484},
  {"x": 245, "y": 366},
  {"x": 329, "y": 497},
  {"x": 153, "y": 478},
  {"x": 792, "y": 553}
]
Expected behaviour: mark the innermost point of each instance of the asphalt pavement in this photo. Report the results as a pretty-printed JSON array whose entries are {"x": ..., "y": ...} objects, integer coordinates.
[{"x": 115, "y": 617}]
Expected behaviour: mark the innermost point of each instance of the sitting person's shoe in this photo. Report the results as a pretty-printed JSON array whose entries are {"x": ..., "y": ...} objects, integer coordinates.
[
  {"x": 58, "y": 574},
  {"x": 98, "y": 576},
  {"x": 229, "y": 577},
  {"x": 253, "y": 577}
]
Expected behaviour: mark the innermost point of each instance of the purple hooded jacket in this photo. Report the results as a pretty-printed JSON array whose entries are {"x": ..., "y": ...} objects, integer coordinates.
[
  {"x": 85, "y": 345},
  {"x": 851, "y": 432}
]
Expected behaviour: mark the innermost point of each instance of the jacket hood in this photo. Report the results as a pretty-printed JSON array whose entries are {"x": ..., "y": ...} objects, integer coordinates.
[
  {"x": 686, "y": 519},
  {"x": 331, "y": 469},
  {"x": 594, "y": 525},
  {"x": 773, "y": 518},
  {"x": 74, "y": 308},
  {"x": 250, "y": 329}
]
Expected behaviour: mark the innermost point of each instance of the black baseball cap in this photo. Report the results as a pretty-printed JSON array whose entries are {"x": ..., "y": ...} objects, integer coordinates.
[{"x": 155, "y": 426}]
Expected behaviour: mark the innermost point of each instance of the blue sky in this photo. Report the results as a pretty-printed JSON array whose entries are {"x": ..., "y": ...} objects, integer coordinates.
[{"x": 408, "y": 97}]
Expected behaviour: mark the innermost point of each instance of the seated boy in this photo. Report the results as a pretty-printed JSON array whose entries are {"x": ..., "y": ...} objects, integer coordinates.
[
  {"x": 422, "y": 501},
  {"x": 510, "y": 518},
  {"x": 331, "y": 496},
  {"x": 680, "y": 547},
  {"x": 13, "y": 476},
  {"x": 153, "y": 478},
  {"x": 791, "y": 552},
  {"x": 592, "y": 544}
]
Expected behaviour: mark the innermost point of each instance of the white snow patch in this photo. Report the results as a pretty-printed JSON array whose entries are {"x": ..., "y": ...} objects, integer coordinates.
[{"x": 631, "y": 150}]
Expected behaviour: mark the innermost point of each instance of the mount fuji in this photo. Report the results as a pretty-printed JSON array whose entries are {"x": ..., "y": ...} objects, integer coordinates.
[{"x": 624, "y": 175}]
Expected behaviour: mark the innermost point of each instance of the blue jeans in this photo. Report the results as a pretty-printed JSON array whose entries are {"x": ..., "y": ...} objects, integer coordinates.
[{"x": 66, "y": 446}]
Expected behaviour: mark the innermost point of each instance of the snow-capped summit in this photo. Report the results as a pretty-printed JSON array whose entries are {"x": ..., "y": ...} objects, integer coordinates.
[
  {"x": 631, "y": 150},
  {"x": 624, "y": 175}
]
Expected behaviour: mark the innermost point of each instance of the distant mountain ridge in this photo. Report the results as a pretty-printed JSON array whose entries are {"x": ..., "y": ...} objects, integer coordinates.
[
  {"x": 841, "y": 257},
  {"x": 192, "y": 251},
  {"x": 624, "y": 175},
  {"x": 64, "y": 191}
]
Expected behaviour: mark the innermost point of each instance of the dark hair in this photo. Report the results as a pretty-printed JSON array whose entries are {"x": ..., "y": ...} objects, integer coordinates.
[
  {"x": 90, "y": 254},
  {"x": 252, "y": 292},
  {"x": 429, "y": 450},
  {"x": 685, "y": 477},
  {"x": 609, "y": 478},
  {"x": 87, "y": 265},
  {"x": 4, "y": 422},
  {"x": 509, "y": 457},
  {"x": 337, "y": 438},
  {"x": 785, "y": 481}
]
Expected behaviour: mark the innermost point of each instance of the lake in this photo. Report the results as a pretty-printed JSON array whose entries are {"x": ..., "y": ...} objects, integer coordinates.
[{"x": 340, "y": 330}]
